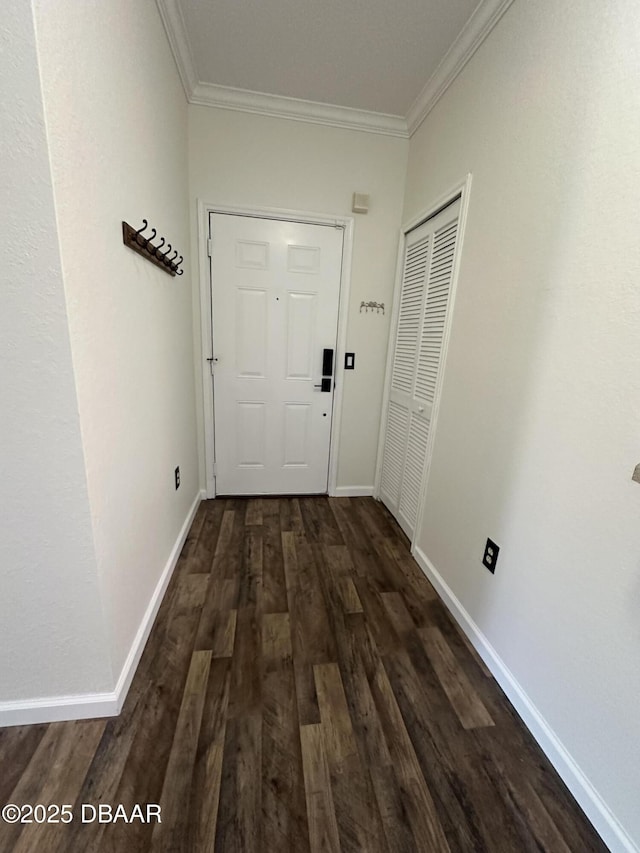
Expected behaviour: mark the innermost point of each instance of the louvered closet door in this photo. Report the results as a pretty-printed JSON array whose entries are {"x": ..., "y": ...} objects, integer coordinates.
[{"x": 417, "y": 358}]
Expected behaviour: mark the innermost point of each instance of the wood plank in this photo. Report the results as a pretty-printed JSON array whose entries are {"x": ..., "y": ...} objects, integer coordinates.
[
  {"x": 291, "y": 517},
  {"x": 216, "y": 628},
  {"x": 323, "y": 826},
  {"x": 276, "y": 639},
  {"x": 190, "y": 542},
  {"x": 359, "y": 822},
  {"x": 54, "y": 775},
  {"x": 337, "y": 730},
  {"x": 144, "y": 770},
  {"x": 204, "y": 795},
  {"x": 202, "y": 541},
  {"x": 169, "y": 833},
  {"x": 239, "y": 812},
  {"x": 250, "y": 583},
  {"x": 434, "y": 731},
  {"x": 310, "y": 630},
  {"x": 420, "y": 808},
  {"x": 308, "y": 711},
  {"x": 465, "y": 701},
  {"x": 349, "y": 595},
  {"x": 17, "y": 746},
  {"x": 245, "y": 690},
  {"x": 224, "y": 635},
  {"x": 319, "y": 522},
  {"x": 395, "y": 820},
  {"x": 253, "y": 514},
  {"x": 284, "y": 822},
  {"x": 274, "y": 587}
]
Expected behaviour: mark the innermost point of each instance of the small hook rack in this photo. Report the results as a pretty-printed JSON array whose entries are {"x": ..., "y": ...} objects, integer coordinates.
[
  {"x": 375, "y": 306},
  {"x": 167, "y": 260}
]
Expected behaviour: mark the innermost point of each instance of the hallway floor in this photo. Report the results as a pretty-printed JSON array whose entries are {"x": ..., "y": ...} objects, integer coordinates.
[{"x": 303, "y": 689}]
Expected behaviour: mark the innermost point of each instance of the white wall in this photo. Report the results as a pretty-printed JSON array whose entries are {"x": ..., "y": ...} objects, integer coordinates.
[
  {"x": 538, "y": 432},
  {"x": 52, "y": 631},
  {"x": 117, "y": 123},
  {"x": 256, "y": 161}
]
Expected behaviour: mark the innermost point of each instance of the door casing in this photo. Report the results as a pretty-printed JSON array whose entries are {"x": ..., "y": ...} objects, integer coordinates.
[
  {"x": 205, "y": 284},
  {"x": 462, "y": 190}
]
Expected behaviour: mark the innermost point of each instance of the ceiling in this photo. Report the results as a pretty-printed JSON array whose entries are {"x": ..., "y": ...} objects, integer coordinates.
[
  {"x": 340, "y": 60},
  {"x": 368, "y": 54}
]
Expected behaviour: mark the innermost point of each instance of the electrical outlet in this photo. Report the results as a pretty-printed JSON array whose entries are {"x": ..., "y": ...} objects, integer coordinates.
[
  {"x": 491, "y": 551},
  {"x": 177, "y": 477}
]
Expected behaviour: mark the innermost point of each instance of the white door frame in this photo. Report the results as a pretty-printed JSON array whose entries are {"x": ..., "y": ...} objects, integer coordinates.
[
  {"x": 462, "y": 190},
  {"x": 345, "y": 222}
]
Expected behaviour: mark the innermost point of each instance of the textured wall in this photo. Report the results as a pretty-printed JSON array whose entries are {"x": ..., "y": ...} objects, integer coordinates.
[
  {"x": 52, "y": 632},
  {"x": 117, "y": 122},
  {"x": 538, "y": 433},
  {"x": 249, "y": 160}
]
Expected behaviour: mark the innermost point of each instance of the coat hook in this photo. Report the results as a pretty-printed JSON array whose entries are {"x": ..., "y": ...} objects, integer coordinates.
[
  {"x": 175, "y": 255},
  {"x": 159, "y": 246},
  {"x": 179, "y": 272},
  {"x": 166, "y": 254},
  {"x": 139, "y": 232}
]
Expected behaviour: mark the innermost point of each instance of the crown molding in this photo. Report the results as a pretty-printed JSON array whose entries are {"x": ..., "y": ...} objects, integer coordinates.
[
  {"x": 179, "y": 42},
  {"x": 477, "y": 28},
  {"x": 475, "y": 31},
  {"x": 296, "y": 109}
]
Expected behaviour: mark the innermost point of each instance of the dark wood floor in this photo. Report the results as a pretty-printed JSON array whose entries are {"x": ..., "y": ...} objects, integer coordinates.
[{"x": 303, "y": 689}]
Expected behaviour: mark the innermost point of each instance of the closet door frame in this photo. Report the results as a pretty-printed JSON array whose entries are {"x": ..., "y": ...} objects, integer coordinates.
[{"x": 460, "y": 190}]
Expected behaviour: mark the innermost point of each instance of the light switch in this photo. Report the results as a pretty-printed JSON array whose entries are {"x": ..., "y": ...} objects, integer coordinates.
[{"x": 349, "y": 360}]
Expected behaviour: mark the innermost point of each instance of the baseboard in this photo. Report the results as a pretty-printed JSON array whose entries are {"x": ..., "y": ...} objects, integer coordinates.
[
  {"x": 57, "y": 709},
  {"x": 352, "y": 492},
  {"x": 592, "y": 804},
  {"x": 90, "y": 705},
  {"x": 142, "y": 635}
]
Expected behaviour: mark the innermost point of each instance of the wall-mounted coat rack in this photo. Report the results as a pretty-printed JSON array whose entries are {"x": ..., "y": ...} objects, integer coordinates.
[
  {"x": 374, "y": 306},
  {"x": 165, "y": 258}
]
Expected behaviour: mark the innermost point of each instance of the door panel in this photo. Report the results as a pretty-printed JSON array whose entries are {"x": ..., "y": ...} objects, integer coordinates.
[
  {"x": 417, "y": 361},
  {"x": 275, "y": 296}
]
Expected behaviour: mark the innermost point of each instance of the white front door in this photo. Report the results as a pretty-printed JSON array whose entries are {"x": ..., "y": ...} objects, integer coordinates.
[{"x": 275, "y": 296}]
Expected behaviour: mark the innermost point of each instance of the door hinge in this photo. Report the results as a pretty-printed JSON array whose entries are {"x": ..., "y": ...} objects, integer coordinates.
[
  {"x": 215, "y": 469},
  {"x": 209, "y": 247}
]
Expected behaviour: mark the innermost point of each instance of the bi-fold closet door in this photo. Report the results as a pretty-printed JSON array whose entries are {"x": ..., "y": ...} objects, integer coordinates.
[{"x": 416, "y": 364}]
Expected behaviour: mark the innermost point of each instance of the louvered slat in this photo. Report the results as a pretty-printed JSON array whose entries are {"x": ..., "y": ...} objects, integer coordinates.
[
  {"x": 435, "y": 312},
  {"x": 413, "y": 469},
  {"x": 394, "y": 451},
  {"x": 409, "y": 316}
]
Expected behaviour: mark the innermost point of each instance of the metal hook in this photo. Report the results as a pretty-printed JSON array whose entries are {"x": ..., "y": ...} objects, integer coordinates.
[
  {"x": 180, "y": 261},
  {"x": 159, "y": 246},
  {"x": 179, "y": 272},
  {"x": 175, "y": 255},
  {"x": 169, "y": 249},
  {"x": 139, "y": 232},
  {"x": 150, "y": 248}
]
